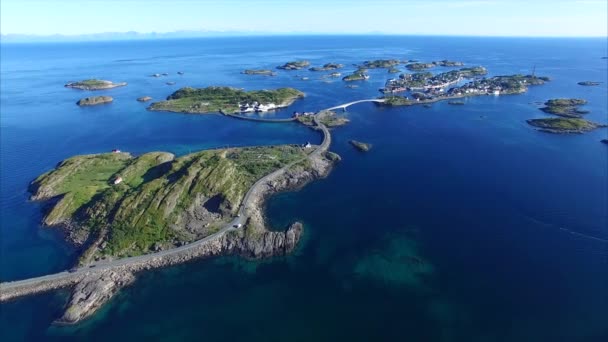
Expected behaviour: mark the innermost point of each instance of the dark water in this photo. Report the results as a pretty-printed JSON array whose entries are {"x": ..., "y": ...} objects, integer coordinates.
[{"x": 461, "y": 224}]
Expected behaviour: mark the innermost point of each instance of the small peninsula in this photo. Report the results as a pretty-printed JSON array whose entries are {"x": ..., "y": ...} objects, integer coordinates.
[
  {"x": 295, "y": 65},
  {"x": 565, "y": 107},
  {"x": 564, "y": 125},
  {"x": 361, "y": 146},
  {"x": 94, "y": 100},
  {"x": 94, "y": 84},
  {"x": 225, "y": 100},
  {"x": 262, "y": 72}
]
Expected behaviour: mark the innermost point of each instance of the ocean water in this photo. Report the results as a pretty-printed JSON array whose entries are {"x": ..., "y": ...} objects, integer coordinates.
[{"x": 461, "y": 224}]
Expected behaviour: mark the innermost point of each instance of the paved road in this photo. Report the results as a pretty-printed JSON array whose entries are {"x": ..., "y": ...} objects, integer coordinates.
[
  {"x": 233, "y": 225},
  {"x": 242, "y": 117}
]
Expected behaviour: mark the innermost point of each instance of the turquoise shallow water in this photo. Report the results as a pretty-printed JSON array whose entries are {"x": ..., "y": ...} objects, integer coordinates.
[{"x": 462, "y": 223}]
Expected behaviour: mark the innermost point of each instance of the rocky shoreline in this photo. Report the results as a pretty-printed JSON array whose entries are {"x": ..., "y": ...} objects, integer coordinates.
[{"x": 96, "y": 286}]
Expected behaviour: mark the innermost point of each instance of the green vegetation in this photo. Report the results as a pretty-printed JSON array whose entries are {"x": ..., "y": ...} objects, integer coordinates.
[
  {"x": 565, "y": 107},
  {"x": 420, "y": 66},
  {"x": 327, "y": 67},
  {"x": 94, "y": 84},
  {"x": 361, "y": 146},
  {"x": 263, "y": 72},
  {"x": 328, "y": 118},
  {"x": 358, "y": 75},
  {"x": 589, "y": 83},
  {"x": 380, "y": 63},
  {"x": 397, "y": 101},
  {"x": 393, "y": 70},
  {"x": 295, "y": 65},
  {"x": 156, "y": 193},
  {"x": 223, "y": 99},
  {"x": 94, "y": 100},
  {"x": 564, "y": 125}
]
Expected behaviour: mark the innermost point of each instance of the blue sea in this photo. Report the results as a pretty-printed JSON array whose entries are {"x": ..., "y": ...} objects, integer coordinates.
[{"x": 463, "y": 223}]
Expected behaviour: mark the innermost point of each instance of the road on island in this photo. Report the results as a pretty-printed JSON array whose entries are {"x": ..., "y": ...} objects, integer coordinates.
[{"x": 236, "y": 223}]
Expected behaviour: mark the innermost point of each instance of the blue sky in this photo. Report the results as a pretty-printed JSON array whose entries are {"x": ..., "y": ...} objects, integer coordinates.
[{"x": 442, "y": 17}]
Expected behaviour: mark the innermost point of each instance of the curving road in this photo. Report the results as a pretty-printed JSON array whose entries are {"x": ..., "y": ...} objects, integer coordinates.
[{"x": 66, "y": 278}]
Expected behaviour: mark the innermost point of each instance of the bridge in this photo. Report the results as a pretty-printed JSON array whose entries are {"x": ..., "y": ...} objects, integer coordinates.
[{"x": 345, "y": 105}]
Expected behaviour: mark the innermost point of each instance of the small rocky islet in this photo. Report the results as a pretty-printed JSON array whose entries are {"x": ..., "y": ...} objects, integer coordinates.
[
  {"x": 262, "y": 72},
  {"x": 589, "y": 83},
  {"x": 94, "y": 84},
  {"x": 94, "y": 101},
  {"x": 566, "y": 107},
  {"x": 564, "y": 125},
  {"x": 144, "y": 99},
  {"x": 294, "y": 65},
  {"x": 361, "y": 146}
]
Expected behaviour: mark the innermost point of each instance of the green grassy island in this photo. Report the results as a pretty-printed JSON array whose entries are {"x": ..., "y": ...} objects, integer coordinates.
[
  {"x": 565, "y": 107},
  {"x": 263, "y": 72},
  {"x": 328, "y": 67},
  {"x": 564, "y": 125},
  {"x": 361, "y": 146},
  {"x": 358, "y": 75},
  {"x": 295, "y": 65},
  {"x": 223, "y": 99},
  {"x": 94, "y": 100},
  {"x": 94, "y": 84},
  {"x": 419, "y": 66},
  {"x": 135, "y": 205}
]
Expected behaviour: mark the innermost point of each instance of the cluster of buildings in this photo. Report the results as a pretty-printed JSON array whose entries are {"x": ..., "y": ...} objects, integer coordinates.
[
  {"x": 257, "y": 107},
  {"x": 299, "y": 114}
]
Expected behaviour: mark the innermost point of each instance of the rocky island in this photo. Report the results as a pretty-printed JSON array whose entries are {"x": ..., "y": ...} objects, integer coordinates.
[
  {"x": 380, "y": 64},
  {"x": 225, "y": 100},
  {"x": 564, "y": 125},
  {"x": 94, "y": 84},
  {"x": 263, "y": 72},
  {"x": 94, "y": 100},
  {"x": 295, "y": 65},
  {"x": 327, "y": 67},
  {"x": 589, "y": 83},
  {"x": 361, "y": 146},
  {"x": 565, "y": 107},
  {"x": 144, "y": 99}
]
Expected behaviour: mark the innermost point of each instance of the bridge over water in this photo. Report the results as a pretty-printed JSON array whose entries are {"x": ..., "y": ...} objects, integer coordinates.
[{"x": 345, "y": 105}]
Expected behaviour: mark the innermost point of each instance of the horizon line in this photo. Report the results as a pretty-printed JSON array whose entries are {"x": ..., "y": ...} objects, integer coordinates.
[{"x": 185, "y": 34}]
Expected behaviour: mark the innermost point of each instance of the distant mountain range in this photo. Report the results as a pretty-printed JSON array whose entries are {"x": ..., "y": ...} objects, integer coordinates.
[{"x": 25, "y": 38}]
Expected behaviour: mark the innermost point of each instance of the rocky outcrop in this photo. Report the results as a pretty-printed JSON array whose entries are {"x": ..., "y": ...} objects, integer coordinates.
[
  {"x": 92, "y": 292},
  {"x": 144, "y": 99},
  {"x": 94, "y": 84},
  {"x": 361, "y": 146},
  {"x": 94, "y": 100}
]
